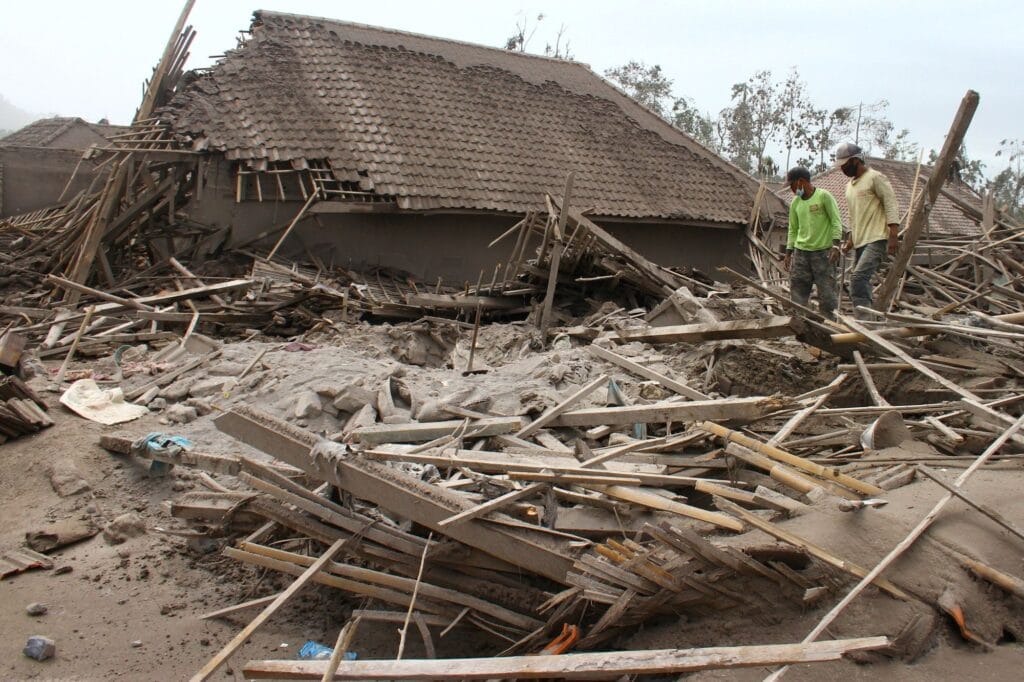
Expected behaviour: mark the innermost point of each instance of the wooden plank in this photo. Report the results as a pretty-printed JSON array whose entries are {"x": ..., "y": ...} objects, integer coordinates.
[
  {"x": 585, "y": 666},
  {"x": 779, "y": 455},
  {"x": 800, "y": 417},
  {"x": 491, "y": 505},
  {"x": 427, "y": 431},
  {"x": 447, "y": 301},
  {"x": 224, "y": 654},
  {"x": 552, "y": 413},
  {"x": 638, "y": 369},
  {"x": 396, "y": 491},
  {"x": 745, "y": 409},
  {"x": 652, "y": 500},
  {"x": 769, "y": 328},
  {"x": 556, "y": 253}
]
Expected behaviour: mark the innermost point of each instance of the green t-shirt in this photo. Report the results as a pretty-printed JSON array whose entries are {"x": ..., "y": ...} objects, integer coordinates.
[{"x": 814, "y": 223}]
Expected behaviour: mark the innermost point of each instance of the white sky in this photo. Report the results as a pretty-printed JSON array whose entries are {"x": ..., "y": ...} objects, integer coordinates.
[{"x": 88, "y": 59}]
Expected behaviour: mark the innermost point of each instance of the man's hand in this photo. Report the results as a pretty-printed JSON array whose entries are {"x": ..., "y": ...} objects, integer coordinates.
[
  {"x": 847, "y": 245},
  {"x": 833, "y": 255},
  {"x": 893, "y": 244},
  {"x": 787, "y": 262}
]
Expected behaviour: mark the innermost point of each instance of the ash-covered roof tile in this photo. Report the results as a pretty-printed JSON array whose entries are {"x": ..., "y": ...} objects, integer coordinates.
[{"x": 451, "y": 125}]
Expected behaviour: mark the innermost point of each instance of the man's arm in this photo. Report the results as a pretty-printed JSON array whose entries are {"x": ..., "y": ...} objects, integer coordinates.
[
  {"x": 794, "y": 230},
  {"x": 884, "y": 192},
  {"x": 834, "y": 223}
]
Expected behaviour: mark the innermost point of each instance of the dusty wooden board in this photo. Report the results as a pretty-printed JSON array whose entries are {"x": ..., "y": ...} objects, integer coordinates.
[
  {"x": 570, "y": 666},
  {"x": 746, "y": 409},
  {"x": 398, "y": 492},
  {"x": 638, "y": 369},
  {"x": 769, "y": 328},
  {"x": 427, "y": 431}
]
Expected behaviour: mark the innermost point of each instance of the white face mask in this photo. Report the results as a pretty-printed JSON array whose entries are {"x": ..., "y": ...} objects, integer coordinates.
[{"x": 800, "y": 192}]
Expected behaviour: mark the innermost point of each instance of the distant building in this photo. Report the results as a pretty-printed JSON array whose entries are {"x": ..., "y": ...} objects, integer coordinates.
[{"x": 37, "y": 161}]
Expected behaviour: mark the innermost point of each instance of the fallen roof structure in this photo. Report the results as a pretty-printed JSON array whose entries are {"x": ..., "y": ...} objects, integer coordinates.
[{"x": 592, "y": 472}]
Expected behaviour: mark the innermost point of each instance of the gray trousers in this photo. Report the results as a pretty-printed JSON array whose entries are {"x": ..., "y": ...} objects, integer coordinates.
[
  {"x": 869, "y": 258},
  {"x": 812, "y": 269}
]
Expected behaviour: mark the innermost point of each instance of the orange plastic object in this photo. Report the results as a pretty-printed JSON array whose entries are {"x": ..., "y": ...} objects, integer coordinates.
[{"x": 562, "y": 643}]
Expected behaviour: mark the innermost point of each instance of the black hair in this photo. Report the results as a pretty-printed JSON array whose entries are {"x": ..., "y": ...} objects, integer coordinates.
[{"x": 797, "y": 173}]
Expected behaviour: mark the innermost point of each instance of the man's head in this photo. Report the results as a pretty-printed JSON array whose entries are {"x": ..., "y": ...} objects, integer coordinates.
[
  {"x": 799, "y": 180},
  {"x": 850, "y": 159}
]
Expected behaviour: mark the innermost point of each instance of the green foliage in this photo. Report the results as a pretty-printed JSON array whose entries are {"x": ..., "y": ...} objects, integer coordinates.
[
  {"x": 1007, "y": 186},
  {"x": 648, "y": 85}
]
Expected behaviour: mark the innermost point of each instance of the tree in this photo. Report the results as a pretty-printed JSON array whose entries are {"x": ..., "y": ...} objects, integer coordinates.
[
  {"x": 898, "y": 148},
  {"x": 822, "y": 131},
  {"x": 648, "y": 85},
  {"x": 969, "y": 171},
  {"x": 753, "y": 121},
  {"x": 700, "y": 126},
  {"x": 523, "y": 34},
  {"x": 793, "y": 107},
  {"x": 1007, "y": 186}
]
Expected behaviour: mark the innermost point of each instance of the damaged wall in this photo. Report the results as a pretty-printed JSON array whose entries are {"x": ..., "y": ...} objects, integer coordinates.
[
  {"x": 448, "y": 245},
  {"x": 34, "y": 177}
]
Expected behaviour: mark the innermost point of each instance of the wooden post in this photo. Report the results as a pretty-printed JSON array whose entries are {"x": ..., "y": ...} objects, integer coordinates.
[
  {"x": 556, "y": 254},
  {"x": 923, "y": 204}
]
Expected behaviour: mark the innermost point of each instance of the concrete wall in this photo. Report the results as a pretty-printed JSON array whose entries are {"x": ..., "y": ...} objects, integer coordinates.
[
  {"x": 33, "y": 177},
  {"x": 452, "y": 246}
]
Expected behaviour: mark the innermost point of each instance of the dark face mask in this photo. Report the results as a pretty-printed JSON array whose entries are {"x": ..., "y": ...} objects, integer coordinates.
[{"x": 849, "y": 168}]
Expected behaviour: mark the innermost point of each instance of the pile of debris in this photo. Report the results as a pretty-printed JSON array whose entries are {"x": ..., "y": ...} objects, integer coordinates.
[{"x": 643, "y": 446}]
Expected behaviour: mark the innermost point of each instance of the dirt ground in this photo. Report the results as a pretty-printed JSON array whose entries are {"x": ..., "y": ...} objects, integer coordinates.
[{"x": 131, "y": 610}]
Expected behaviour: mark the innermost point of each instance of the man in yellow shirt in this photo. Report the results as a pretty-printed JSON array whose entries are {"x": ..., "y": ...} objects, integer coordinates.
[
  {"x": 812, "y": 246},
  {"x": 874, "y": 220}
]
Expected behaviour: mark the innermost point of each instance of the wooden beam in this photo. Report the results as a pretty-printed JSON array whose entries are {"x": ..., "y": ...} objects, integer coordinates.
[
  {"x": 224, "y": 654},
  {"x": 925, "y": 201},
  {"x": 780, "y": 455},
  {"x": 552, "y": 413},
  {"x": 638, "y": 369},
  {"x": 396, "y": 491},
  {"x": 491, "y": 505},
  {"x": 769, "y": 328},
  {"x": 586, "y": 666},
  {"x": 447, "y": 301},
  {"x": 744, "y": 409},
  {"x": 428, "y": 431},
  {"x": 556, "y": 254}
]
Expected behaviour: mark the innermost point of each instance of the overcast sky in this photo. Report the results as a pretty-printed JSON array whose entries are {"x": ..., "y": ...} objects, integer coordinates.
[{"x": 88, "y": 59}]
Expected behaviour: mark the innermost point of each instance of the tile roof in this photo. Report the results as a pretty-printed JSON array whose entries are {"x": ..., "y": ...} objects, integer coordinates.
[
  {"x": 446, "y": 125},
  {"x": 945, "y": 219},
  {"x": 45, "y": 131}
]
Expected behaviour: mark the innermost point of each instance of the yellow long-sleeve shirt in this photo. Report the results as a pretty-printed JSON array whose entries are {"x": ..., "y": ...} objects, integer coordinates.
[{"x": 873, "y": 207}]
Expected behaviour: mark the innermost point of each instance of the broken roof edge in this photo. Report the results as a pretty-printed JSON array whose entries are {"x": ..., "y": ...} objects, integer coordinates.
[
  {"x": 661, "y": 123},
  {"x": 419, "y": 36}
]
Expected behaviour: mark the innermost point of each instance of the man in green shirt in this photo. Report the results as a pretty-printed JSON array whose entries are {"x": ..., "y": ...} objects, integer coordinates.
[
  {"x": 812, "y": 248},
  {"x": 874, "y": 221}
]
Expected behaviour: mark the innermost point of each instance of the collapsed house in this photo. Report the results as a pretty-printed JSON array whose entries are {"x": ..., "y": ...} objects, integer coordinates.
[
  {"x": 42, "y": 163},
  {"x": 416, "y": 152},
  {"x": 601, "y": 469}
]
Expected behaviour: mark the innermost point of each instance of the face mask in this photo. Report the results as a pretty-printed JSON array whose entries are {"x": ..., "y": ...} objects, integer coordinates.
[
  {"x": 800, "y": 192},
  {"x": 849, "y": 168}
]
